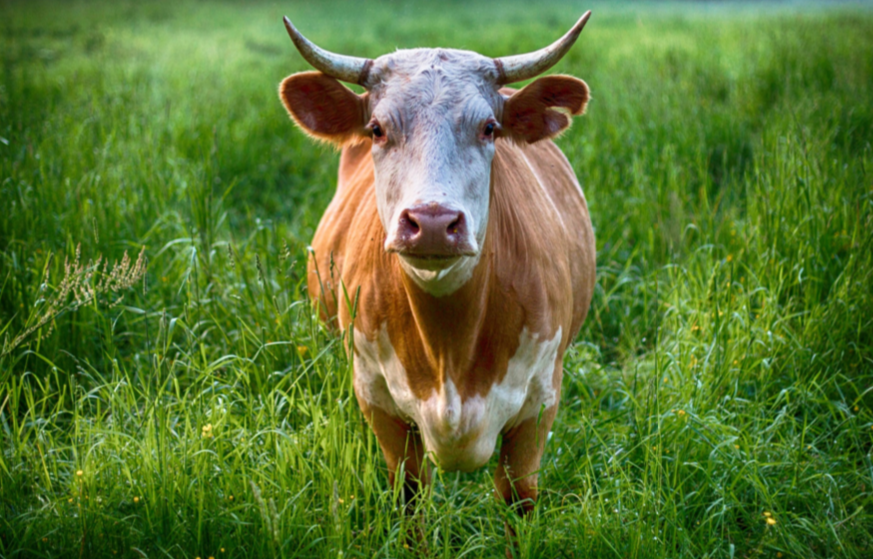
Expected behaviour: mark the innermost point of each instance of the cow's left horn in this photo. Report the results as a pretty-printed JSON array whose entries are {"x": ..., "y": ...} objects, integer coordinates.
[
  {"x": 524, "y": 66},
  {"x": 349, "y": 69}
]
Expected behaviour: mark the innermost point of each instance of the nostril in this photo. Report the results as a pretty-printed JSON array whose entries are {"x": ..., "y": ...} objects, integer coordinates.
[
  {"x": 453, "y": 226},
  {"x": 408, "y": 224}
]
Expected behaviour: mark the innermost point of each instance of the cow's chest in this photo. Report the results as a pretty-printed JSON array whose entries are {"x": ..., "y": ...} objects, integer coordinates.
[{"x": 459, "y": 431}]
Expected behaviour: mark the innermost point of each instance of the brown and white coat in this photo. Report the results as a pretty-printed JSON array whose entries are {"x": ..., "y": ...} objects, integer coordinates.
[{"x": 464, "y": 232}]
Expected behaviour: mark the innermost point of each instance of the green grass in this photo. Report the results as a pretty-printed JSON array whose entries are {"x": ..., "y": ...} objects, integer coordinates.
[{"x": 725, "y": 369}]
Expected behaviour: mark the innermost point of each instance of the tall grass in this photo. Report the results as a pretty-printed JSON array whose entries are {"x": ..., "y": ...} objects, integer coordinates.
[{"x": 716, "y": 404}]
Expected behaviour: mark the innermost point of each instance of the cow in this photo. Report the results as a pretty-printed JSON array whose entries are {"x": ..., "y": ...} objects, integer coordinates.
[{"x": 457, "y": 251}]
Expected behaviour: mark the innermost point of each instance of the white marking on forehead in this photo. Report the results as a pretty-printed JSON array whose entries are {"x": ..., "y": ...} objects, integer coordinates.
[
  {"x": 428, "y": 84},
  {"x": 408, "y": 62},
  {"x": 460, "y": 435}
]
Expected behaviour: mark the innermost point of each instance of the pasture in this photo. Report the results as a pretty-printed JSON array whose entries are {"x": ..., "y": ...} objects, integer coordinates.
[{"x": 717, "y": 402}]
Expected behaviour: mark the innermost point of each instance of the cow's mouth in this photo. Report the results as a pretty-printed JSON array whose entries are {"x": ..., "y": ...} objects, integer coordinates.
[
  {"x": 432, "y": 257},
  {"x": 430, "y": 261}
]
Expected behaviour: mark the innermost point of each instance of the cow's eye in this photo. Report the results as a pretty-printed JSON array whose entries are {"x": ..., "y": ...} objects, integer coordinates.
[
  {"x": 489, "y": 129},
  {"x": 379, "y": 136}
]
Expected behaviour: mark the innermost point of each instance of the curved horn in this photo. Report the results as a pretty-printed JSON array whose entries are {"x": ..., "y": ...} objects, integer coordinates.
[
  {"x": 524, "y": 66},
  {"x": 349, "y": 69}
]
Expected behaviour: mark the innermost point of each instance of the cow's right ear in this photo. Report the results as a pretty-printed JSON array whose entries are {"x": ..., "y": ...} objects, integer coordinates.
[{"x": 324, "y": 108}]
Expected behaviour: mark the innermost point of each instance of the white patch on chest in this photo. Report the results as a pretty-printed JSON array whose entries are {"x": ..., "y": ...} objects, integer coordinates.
[{"x": 459, "y": 435}]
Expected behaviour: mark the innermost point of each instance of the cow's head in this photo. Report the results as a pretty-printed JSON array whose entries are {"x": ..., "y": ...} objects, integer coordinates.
[{"x": 433, "y": 116}]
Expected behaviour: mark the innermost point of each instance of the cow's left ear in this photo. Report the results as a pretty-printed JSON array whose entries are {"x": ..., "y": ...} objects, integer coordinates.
[
  {"x": 324, "y": 108},
  {"x": 543, "y": 108}
]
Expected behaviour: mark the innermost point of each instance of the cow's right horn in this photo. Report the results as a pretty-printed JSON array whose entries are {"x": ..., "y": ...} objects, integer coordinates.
[
  {"x": 349, "y": 69},
  {"x": 525, "y": 66}
]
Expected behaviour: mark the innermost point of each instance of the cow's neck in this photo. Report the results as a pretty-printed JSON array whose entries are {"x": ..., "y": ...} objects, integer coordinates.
[{"x": 449, "y": 325}]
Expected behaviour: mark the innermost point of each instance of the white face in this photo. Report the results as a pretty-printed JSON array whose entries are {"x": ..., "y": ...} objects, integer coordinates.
[{"x": 434, "y": 114}]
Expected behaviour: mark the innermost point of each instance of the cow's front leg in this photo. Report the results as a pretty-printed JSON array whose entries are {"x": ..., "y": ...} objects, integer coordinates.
[
  {"x": 520, "y": 455},
  {"x": 516, "y": 475},
  {"x": 403, "y": 450}
]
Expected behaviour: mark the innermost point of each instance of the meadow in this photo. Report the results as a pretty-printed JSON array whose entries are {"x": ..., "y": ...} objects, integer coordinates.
[{"x": 185, "y": 401}]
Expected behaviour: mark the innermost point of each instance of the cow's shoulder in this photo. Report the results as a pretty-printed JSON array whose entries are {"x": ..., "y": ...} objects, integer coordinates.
[
  {"x": 542, "y": 235},
  {"x": 349, "y": 234}
]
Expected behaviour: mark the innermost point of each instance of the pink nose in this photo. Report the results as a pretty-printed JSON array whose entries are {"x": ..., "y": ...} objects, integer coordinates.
[{"x": 431, "y": 230}]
